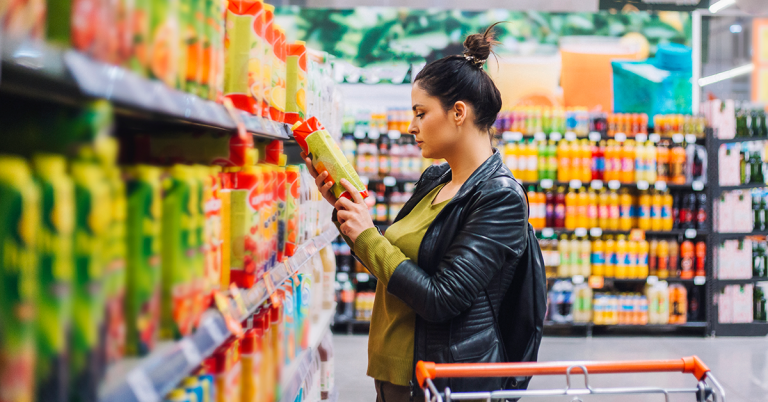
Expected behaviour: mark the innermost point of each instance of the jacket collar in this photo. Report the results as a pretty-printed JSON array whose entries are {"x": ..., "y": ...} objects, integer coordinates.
[{"x": 480, "y": 175}]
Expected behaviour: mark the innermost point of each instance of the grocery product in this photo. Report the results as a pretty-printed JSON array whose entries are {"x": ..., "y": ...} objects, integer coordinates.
[
  {"x": 163, "y": 46},
  {"x": 239, "y": 40},
  {"x": 296, "y": 83},
  {"x": 226, "y": 368},
  {"x": 251, "y": 357},
  {"x": 293, "y": 184},
  {"x": 256, "y": 59}
]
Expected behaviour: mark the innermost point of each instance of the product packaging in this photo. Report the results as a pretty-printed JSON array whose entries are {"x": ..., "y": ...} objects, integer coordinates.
[
  {"x": 24, "y": 19},
  {"x": 296, "y": 83},
  {"x": 212, "y": 232},
  {"x": 245, "y": 240},
  {"x": 277, "y": 92},
  {"x": 293, "y": 185},
  {"x": 164, "y": 42},
  {"x": 225, "y": 366},
  {"x": 251, "y": 356},
  {"x": 326, "y": 156},
  {"x": 267, "y": 60},
  {"x": 20, "y": 217},
  {"x": 143, "y": 233},
  {"x": 281, "y": 207},
  {"x": 141, "y": 37},
  {"x": 256, "y": 58},
  {"x": 240, "y": 36}
]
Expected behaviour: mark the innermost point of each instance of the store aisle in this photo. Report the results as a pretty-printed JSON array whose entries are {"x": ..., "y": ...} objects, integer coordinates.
[{"x": 741, "y": 364}]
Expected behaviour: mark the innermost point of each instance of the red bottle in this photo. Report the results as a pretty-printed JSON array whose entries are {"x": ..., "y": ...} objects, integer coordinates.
[
  {"x": 550, "y": 208},
  {"x": 560, "y": 208},
  {"x": 701, "y": 258}
]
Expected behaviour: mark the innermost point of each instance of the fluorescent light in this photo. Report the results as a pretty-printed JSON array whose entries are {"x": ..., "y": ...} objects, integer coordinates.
[
  {"x": 736, "y": 28},
  {"x": 725, "y": 75},
  {"x": 720, "y": 5}
]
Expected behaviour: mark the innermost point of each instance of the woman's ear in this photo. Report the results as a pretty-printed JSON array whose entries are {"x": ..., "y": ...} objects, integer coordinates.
[{"x": 459, "y": 112}]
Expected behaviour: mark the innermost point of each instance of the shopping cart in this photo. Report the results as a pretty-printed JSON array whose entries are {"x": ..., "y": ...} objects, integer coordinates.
[{"x": 426, "y": 372}]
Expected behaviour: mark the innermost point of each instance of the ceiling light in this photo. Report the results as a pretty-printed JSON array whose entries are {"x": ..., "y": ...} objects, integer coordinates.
[
  {"x": 725, "y": 75},
  {"x": 720, "y": 5},
  {"x": 736, "y": 28}
]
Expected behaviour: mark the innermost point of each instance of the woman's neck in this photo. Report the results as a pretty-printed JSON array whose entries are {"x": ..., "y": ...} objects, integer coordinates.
[{"x": 469, "y": 157}]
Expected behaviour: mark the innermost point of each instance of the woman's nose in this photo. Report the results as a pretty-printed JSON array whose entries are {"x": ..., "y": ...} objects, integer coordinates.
[{"x": 412, "y": 129}]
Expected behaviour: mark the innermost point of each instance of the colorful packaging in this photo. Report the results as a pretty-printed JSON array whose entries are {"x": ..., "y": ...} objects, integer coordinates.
[
  {"x": 326, "y": 156},
  {"x": 216, "y": 18},
  {"x": 225, "y": 366},
  {"x": 199, "y": 284},
  {"x": 115, "y": 275},
  {"x": 255, "y": 58},
  {"x": 277, "y": 347},
  {"x": 24, "y": 19},
  {"x": 302, "y": 285},
  {"x": 244, "y": 267},
  {"x": 212, "y": 231},
  {"x": 296, "y": 83},
  {"x": 209, "y": 390},
  {"x": 164, "y": 42},
  {"x": 293, "y": 185},
  {"x": 282, "y": 214},
  {"x": 277, "y": 83},
  {"x": 92, "y": 218},
  {"x": 124, "y": 31},
  {"x": 289, "y": 322},
  {"x": 240, "y": 36},
  {"x": 179, "y": 252},
  {"x": 54, "y": 306},
  {"x": 20, "y": 217},
  {"x": 193, "y": 37},
  {"x": 251, "y": 356},
  {"x": 194, "y": 388},
  {"x": 267, "y": 60},
  {"x": 143, "y": 233},
  {"x": 141, "y": 37}
]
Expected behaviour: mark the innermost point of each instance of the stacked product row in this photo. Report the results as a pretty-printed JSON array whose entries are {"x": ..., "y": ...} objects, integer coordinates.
[
  {"x": 620, "y": 258},
  {"x": 611, "y": 210},
  {"x": 738, "y": 304},
  {"x": 384, "y": 156},
  {"x": 744, "y": 258}
]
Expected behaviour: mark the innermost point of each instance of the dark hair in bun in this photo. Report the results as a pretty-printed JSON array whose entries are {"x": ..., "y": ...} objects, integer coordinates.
[{"x": 462, "y": 78}]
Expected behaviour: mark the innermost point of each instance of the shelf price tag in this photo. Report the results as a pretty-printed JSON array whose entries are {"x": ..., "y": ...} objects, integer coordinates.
[
  {"x": 596, "y": 282},
  {"x": 575, "y": 184},
  {"x": 642, "y": 185},
  {"x": 577, "y": 279},
  {"x": 690, "y": 138},
  {"x": 596, "y": 232},
  {"x": 547, "y": 232},
  {"x": 580, "y": 232},
  {"x": 641, "y": 137},
  {"x": 570, "y": 136},
  {"x": 273, "y": 296},
  {"x": 234, "y": 325},
  {"x": 690, "y": 233},
  {"x": 654, "y": 138},
  {"x": 540, "y": 136},
  {"x": 546, "y": 183},
  {"x": 359, "y": 132},
  {"x": 362, "y": 277},
  {"x": 678, "y": 138},
  {"x": 652, "y": 280},
  {"x": 614, "y": 184},
  {"x": 389, "y": 181},
  {"x": 393, "y": 134},
  {"x": 595, "y": 136},
  {"x": 699, "y": 280},
  {"x": 637, "y": 235},
  {"x": 555, "y": 136},
  {"x": 620, "y": 137},
  {"x": 697, "y": 185},
  {"x": 142, "y": 386},
  {"x": 596, "y": 184},
  {"x": 660, "y": 185},
  {"x": 374, "y": 134}
]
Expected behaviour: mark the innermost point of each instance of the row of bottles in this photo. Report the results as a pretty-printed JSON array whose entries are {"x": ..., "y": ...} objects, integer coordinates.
[
  {"x": 660, "y": 303},
  {"x": 621, "y": 258},
  {"x": 751, "y": 122},
  {"x": 612, "y": 210},
  {"x": 383, "y": 156},
  {"x": 389, "y": 201},
  {"x": 627, "y": 162},
  {"x": 751, "y": 163}
]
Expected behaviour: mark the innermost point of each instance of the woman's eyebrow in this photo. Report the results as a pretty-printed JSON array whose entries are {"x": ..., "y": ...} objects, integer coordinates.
[{"x": 416, "y": 105}]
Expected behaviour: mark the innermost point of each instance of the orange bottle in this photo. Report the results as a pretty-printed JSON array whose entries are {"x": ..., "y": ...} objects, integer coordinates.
[
  {"x": 592, "y": 209},
  {"x": 686, "y": 260},
  {"x": 571, "y": 210},
  {"x": 610, "y": 257},
  {"x": 575, "y": 155},
  {"x": 625, "y": 210},
  {"x": 602, "y": 210},
  {"x": 586, "y": 161},
  {"x": 662, "y": 260},
  {"x": 701, "y": 258},
  {"x": 610, "y": 159},
  {"x": 644, "y": 211},
  {"x": 583, "y": 209},
  {"x": 627, "y": 174},
  {"x": 632, "y": 258},
  {"x": 613, "y": 210},
  {"x": 563, "y": 161},
  {"x": 677, "y": 164},
  {"x": 622, "y": 258},
  {"x": 657, "y": 222}
]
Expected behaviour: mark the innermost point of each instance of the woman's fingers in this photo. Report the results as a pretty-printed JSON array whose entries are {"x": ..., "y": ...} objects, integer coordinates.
[
  {"x": 343, "y": 204},
  {"x": 310, "y": 167},
  {"x": 355, "y": 193}
]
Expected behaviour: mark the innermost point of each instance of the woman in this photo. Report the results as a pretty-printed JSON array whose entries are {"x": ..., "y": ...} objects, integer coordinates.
[{"x": 445, "y": 266}]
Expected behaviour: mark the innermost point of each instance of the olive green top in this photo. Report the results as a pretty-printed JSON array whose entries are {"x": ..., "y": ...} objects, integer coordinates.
[{"x": 390, "y": 343}]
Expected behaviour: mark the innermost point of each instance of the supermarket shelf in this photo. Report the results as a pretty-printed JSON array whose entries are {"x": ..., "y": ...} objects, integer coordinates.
[
  {"x": 590, "y": 328},
  {"x": 293, "y": 375},
  {"x": 324, "y": 323},
  {"x": 673, "y": 232},
  {"x": 719, "y": 141},
  {"x": 756, "y": 328},
  {"x": 671, "y": 186},
  {"x": 743, "y": 186},
  {"x": 150, "y": 378},
  {"x": 744, "y": 281},
  {"x": 737, "y": 235},
  {"x": 45, "y": 72}
]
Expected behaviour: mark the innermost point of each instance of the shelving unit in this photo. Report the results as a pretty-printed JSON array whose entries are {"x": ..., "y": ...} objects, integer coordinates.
[
  {"x": 149, "y": 378},
  {"x": 717, "y": 142},
  {"x": 672, "y": 186},
  {"x": 588, "y": 329}
]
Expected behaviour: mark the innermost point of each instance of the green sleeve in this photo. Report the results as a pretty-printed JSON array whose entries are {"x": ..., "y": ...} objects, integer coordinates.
[{"x": 378, "y": 254}]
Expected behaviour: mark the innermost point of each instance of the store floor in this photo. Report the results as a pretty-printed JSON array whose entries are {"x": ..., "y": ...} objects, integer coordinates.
[{"x": 741, "y": 365}]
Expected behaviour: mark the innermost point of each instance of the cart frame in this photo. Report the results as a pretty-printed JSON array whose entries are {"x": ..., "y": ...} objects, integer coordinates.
[{"x": 426, "y": 372}]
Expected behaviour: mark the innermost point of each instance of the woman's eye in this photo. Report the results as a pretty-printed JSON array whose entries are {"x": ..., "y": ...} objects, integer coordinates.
[{"x": 420, "y": 115}]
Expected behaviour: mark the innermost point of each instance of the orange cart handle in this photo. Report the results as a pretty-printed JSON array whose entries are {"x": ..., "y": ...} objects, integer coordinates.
[{"x": 431, "y": 370}]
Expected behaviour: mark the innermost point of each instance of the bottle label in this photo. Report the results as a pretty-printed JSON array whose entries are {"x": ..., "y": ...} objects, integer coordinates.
[
  {"x": 625, "y": 211},
  {"x": 627, "y": 164},
  {"x": 665, "y": 212},
  {"x": 598, "y": 258},
  {"x": 656, "y": 211},
  {"x": 645, "y": 211}
]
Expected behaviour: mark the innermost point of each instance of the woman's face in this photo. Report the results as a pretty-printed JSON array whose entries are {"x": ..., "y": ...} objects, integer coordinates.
[{"x": 435, "y": 129}]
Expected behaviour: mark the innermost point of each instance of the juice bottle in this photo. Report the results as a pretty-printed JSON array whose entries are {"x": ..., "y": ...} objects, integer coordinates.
[
  {"x": 21, "y": 222},
  {"x": 627, "y": 173},
  {"x": 598, "y": 257},
  {"x": 639, "y": 162},
  {"x": 267, "y": 60},
  {"x": 650, "y": 162},
  {"x": 582, "y": 210},
  {"x": 560, "y": 208},
  {"x": 293, "y": 184},
  {"x": 542, "y": 205},
  {"x": 625, "y": 210},
  {"x": 564, "y": 249},
  {"x": 533, "y": 162},
  {"x": 622, "y": 257},
  {"x": 613, "y": 211},
  {"x": 662, "y": 161},
  {"x": 533, "y": 206},
  {"x": 610, "y": 158},
  {"x": 251, "y": 358},
  {"x": 653, "y": 258},
  {"x": 576, "y": 261},
  {"x": 278, "y": 351},
  {"x": 522, "y": 161},
  {"x": 673, "y": 266},
  {"x": 592, "y": 209},
  {"x": 599, "y": 158},
  {"x": 277, "y": 94},
  {"x": 644, "y": 211},
  {"x": 602, "y": 209},
  {"x": 563, "y": 161},
  {"x": 571, "y": 210},
  {"x": 551, "y": 160},
  {"x": 611, "y": 259},
  {"x": 586, "y": 255},
  {"x": 226, "y": 368},
  {"x": 542, "y": 162},
  {"x": 701, "y": 258},
  {"x": 586, "y": 161},
  {"x": 164, "y": 42},
  {"x": 667, "y": 222},
  {"x": 240, "y": 36},
  {"x": 632, "y": 259},
  {"x": 642, "y": 259},
  {"x": 549, "y": 212},
  {"x": 687, "y": 260},
  {"x": 656, "y": 217},
  {"x": 326, "y": 156},
  {"x": 511, "y": 152},
  {"x": 576, "y": 161},
  {"x": 677, "y": 164},
  {"x": 282, "y": 212}
]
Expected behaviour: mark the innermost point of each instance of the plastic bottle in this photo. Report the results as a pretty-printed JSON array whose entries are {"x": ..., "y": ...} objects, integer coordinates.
[
  {"x": 632, "y": 259},
  {"x": 542, "y": 163},
  {"x": 576, "y": 256},
  {"x": 533, "y": 161},
  {"x": 582, "y": 209},
  {"x": 602, "y": 209},
  {"x": 701, "y": 258},
  {"x": 598, "y": 257},
  {"x": 511, "y": 155},
  {"x": 571, "y": 210},
  {"x": 563, "y": 161},
  {"x": 564, "y": 248},
  {"x": 673, "y": 266},
  {"x": 582, "y": 307},
  {"x": 551, "y": 160},
  {"x": 644, "y": 211},
  {"x": 560, "y": 208},
  {"x": 612, "y": 161},
  {"x": 592, "y": 209},
  {"x": 627, "y": 173},
  {"x": 625, "y": 210},
  {"x": 622, "y": 257},
  {"x": 586, "y": 255},
  {"x": 667, "y": 222},
  {"x": 613, "y": 211},
  {"x": 610, "y": 257},
  {"x": 586, "y": 161},
  {"x": 662, "y": 161},
  {"x": 653, "y": 260},
  {"x": 575, "y": 157},
  {"x": 327, "y": 376},
  {"x": 656, "y": 217},
  {"x": 678, "y": 304},
  {"x": 643, "y": 250},
  {"x": 677, "y": 164},
  {"x": 687, "y": 260},
  {"x": 650, "y": 149}
]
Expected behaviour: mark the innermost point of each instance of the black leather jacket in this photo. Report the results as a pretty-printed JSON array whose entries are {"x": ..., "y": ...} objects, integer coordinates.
[{"x": 467, "y": 262}]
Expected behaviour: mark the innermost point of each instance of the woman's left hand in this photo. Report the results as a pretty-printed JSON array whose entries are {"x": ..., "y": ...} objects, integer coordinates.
[{"x": 353, "y": 215}]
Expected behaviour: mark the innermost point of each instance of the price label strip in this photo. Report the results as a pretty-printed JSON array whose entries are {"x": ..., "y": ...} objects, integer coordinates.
[
  {"x": 273, "y": 296},
  {"x": 190, "y": 352},
  {"x": 238, "y": 297},
  {"x": 142, "y": 386},
  {"x": 234, "y": 325}
]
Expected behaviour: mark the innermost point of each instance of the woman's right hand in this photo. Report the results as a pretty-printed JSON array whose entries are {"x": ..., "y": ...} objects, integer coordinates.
[{"x": 320, "y": 180}]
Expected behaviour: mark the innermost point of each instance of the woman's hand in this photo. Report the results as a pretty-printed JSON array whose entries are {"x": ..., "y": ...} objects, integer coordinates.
[
  {"x": 322, "y": 185},
  {"x": 353, "y": 214}
]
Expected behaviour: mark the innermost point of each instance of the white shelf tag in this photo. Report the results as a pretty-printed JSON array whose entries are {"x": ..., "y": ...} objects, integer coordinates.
[
  {"x": 570, "y": 136},
  {"x": 699, "y": 280},
  {"x": 546, "y": 183},
  {"x": 652, "y": 280},
  {"x": 389, "y": 181},
  {"x": 641, "y": 137},
  {"x": 575, "y": 184},
  {"x": 697, "y": 185},
  {"x": 359, "y": 132},
  {"x": 595, "y": 136},
  {"x": 620, "y": 137},
  {"x": 540, "y": 136},
  {"x": 654, "y": 138},
  {"x": 577, "y": 279},
  {"x": 342, "y": 276},
  {"x": 393, "y": 134},
  {"x": 547, "y": 232},
  {"x": 597, "y": 184},
  {"x": 555, "y": 136},
  {"x": 678, "y": 138},
  {"x": 642, "y": 185},
  {"x": 690, "y": 233},
  {"x": 363, "y": 277},
  {"x": 596, "y": 232},
  {"x": 614, "y": 184},
  {"x": 374, "y": 134},
  {"x": 580, "y": 232},
  {"x": 660, "y": 185},
  {"x": 690, "y": 138}
]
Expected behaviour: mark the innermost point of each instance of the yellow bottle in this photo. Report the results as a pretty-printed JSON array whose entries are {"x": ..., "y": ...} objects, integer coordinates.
[
  {"x": 576, "y": 261},
  {"x": 586, "y": 161},
  {"x": 571, "y": 210},
  {"x": 627, "y": 173},
  {"x": 533, "y": 161},
  {"x": 632, "y": 259},
  {"x": 644, "y": 211},
  {"x": 592, "y": 209},
  {"x": 602, "y": 210},
  {"x": 598, "y": 257},
  {"x": 622, "y": 257},
  {"x": 586, "y": 258},
  {"x": 563, "y": 161},
  {"x": 625, "y": 210},
  {"x": 582, "y": 209},
  {"x": 610, "y": 257},
  {"x": 564, "y": 248},
  {"x": 511, "y": 155},
  {"x": 667, "y": 222},
  {"x": 613, "y": 210},
  {"x": 650, "y": 162},
  {"x": 643, "y": 249},
  {"x": 656, "y": 205}
]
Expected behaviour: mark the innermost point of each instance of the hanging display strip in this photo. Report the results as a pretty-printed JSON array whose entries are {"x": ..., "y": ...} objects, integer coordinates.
[
  {"x": 125, "y": 88},
  {"x": 148, "y": 379}
]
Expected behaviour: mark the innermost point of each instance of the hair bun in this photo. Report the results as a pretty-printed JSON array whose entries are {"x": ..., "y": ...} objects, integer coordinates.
[{"x": 478, "y": 47}]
